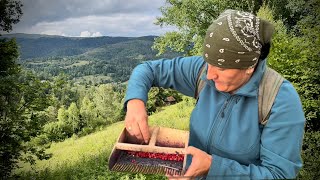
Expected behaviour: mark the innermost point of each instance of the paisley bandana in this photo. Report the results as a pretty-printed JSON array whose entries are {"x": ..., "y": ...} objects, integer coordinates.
[{"x": 234, "y": 40}]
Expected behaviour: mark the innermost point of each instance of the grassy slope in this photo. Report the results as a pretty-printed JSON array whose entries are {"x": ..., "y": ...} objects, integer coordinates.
[{"x": 86, "y": 157}]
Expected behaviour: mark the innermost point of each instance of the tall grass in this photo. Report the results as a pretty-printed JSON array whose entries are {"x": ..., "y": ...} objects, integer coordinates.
[{"x": 87, "y": 157}]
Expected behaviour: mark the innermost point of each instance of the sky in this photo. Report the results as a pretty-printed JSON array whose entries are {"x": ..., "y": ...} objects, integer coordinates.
[{"x": 91, "y": 18}]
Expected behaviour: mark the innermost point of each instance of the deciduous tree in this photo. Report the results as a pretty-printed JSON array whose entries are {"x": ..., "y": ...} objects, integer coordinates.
[
  {"x": 22, "y": 99},
  {"x": 192, "y": 18},
  {"x": 10, "y": 13}
]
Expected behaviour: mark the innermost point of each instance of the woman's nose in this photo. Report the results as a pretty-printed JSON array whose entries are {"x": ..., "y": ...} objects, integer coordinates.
[{"x": 211, "y": 74}]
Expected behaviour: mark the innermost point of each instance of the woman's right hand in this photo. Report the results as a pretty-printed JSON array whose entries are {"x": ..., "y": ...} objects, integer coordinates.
[{"x": 136, "y": 121}]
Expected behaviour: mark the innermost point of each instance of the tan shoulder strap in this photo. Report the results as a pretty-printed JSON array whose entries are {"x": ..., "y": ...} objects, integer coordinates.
[
  {"x": 268, "y": 90},
  {"x": 200, "y": 82}
]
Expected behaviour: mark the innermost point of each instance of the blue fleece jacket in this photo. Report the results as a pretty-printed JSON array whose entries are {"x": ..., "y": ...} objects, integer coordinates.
[{"x": 226, "y": 126}]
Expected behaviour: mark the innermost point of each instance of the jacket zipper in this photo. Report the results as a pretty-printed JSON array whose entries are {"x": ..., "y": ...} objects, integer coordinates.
[
  {"x": 224, "y": 107},
  {"x": 217, "y": 123}
]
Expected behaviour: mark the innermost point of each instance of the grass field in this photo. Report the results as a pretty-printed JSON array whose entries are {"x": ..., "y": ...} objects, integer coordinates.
[{"x": 87, "y": 157}]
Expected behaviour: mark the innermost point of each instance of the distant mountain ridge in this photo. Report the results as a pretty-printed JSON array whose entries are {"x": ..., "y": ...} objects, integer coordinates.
[
  {"x": 38, "y": 45},
  {"x": 85, "y": 59}
]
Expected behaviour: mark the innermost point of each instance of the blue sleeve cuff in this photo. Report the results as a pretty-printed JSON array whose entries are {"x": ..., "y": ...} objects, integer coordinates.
[
  {"x": 222, "y": 169},
  {"x": 215, "y": 167}
]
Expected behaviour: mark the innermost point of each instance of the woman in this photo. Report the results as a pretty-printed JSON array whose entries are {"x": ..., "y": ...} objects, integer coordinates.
[{"x": 226, "y": 139}]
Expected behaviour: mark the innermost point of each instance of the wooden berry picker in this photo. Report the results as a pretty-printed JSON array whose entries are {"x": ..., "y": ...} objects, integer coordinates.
[{"x": 164, "y": 154}]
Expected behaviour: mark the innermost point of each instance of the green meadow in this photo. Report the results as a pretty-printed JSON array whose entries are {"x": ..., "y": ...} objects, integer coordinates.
[{"x": 87, "y": 157}]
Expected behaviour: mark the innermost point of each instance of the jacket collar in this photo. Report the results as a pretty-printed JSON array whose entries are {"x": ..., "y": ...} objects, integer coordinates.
[{"x": 252, "y": 86}]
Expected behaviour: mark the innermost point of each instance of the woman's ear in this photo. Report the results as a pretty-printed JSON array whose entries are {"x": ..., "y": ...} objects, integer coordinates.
[{"x": 250, "y": 70}]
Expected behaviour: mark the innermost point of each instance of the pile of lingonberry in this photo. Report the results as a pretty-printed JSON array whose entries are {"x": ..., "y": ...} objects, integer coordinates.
[{"x": 162, "y": 156}]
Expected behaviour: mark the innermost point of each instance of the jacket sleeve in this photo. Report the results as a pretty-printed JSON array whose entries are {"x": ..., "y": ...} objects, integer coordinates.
[
  {"x": 179, "y": 74},
  {"x": 280, "y": 145}
]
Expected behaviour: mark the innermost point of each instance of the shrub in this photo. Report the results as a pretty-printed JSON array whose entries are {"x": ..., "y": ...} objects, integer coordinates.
[{"x": 311, "y": 156}]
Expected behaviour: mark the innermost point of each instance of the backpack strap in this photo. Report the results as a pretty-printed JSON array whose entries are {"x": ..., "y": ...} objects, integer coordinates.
[
  {"x": 268, "y": 90},
  {"x": 200, "y": 82}
]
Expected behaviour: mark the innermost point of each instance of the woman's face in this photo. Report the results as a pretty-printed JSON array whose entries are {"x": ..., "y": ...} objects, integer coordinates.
[{"x": 228, "y": 80}]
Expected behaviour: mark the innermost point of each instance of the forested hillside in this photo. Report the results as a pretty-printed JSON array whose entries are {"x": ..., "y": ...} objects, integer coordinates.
[
  {"x": 86, "y": 60},
  {"x": 39, "y": 46}
]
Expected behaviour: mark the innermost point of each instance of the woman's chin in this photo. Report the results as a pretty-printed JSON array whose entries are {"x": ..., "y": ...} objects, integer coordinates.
[{"x": 221, "y": 88}]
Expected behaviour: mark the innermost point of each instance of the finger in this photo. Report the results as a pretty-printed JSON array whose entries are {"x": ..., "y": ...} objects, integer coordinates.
[
  {"x": 129, "y": 124},
  {"x": 176, "y": 177},
  {"x": 190, "y": 172},
  {"x": 129, "y": 127},
  {"x": 134, "y": 134},
  {"x": 135, "y": 131},
  {"x": 144, "y": 130},
  {"x": 191, "y": 150}
]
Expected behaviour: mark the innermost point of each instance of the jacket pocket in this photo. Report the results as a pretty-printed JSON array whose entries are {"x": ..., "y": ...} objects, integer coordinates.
[{"x": 237, "y": 139}]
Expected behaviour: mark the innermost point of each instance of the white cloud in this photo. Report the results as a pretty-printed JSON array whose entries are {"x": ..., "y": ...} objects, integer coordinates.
[
  {"x": 98, "y": 17},
  {"x": 48, "y": 10},
  {"x": 96, "y": 34},
  {"x": 89, "y": 34},
  {"x": 91, "y": 26},
  {"x": 85, "y": 34},
  {"x": 52, "y": 32}
]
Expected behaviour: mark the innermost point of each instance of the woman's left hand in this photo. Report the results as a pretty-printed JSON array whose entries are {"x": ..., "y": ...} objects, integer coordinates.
[
  {"x": 201, "y": 162},
  {"x": 200, "y": 165}
]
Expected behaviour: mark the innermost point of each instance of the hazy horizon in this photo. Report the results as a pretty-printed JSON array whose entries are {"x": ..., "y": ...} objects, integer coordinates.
[{"x": 82, "y": 18}]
